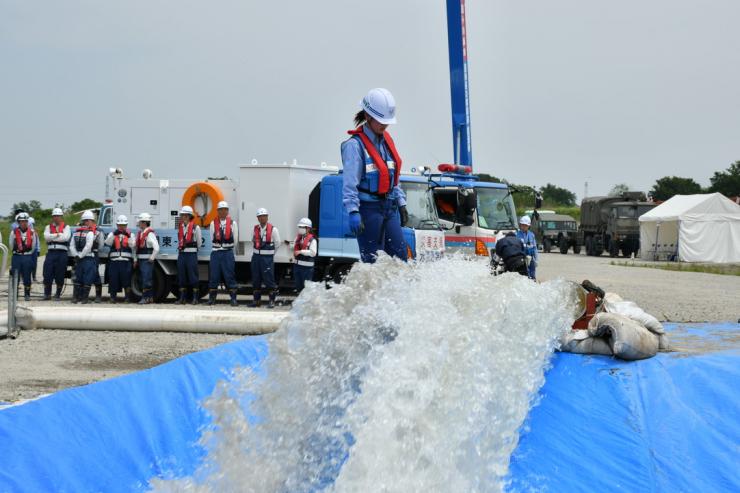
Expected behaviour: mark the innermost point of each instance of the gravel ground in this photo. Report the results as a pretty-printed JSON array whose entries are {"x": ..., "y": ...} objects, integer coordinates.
[{"x": 43, "y": 361}]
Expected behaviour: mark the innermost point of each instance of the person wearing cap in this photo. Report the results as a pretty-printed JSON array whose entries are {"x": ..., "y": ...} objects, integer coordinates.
[
  {"x": 305, "y": 249},
  {"x": 83, "y": 249},
  {"x": 188, "y": 240},
  {"x": 530, "y": 245},
  {"x": 224, "y": 235},
  {"x": 120, "y": 257},
  {"x": 22, "y": 242},
  {"x": 147, "y": 248},
  {"x": 371, "y": 170},
  {"x": 265, "y": 241},
  {"x": 57, "y": 236}
]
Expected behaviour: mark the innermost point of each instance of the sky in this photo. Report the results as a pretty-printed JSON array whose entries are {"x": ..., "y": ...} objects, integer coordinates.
[{"x": 562, "y": 92}]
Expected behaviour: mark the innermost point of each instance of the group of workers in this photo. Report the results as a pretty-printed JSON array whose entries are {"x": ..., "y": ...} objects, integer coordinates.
[{"x": 129, "y": 252}]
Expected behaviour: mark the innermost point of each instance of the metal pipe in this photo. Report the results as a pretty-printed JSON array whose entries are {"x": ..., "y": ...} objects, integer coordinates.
[{"x": 154, "y": 320}]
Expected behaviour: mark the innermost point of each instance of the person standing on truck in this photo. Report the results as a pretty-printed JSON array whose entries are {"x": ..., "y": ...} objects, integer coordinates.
[
  {"x": 224, "y": 235},
  {"x": 122, "y": 253},
  {"x": 304, "y": 252},
  {"x": 370, "y": 191},
  {"x": 57, "y": 236},
  {"x": 188, "y": 240},
  {"x": 530, "y": 245},
  {"x": 265, "y": 241},
  {"x": 22, "y": 242},
  {"x": 84, "y": 249},
  {"x": 147, "y": 248}
]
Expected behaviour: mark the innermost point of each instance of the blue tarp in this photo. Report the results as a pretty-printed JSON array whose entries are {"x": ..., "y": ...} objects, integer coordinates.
[{"x": 670, "y": 423}]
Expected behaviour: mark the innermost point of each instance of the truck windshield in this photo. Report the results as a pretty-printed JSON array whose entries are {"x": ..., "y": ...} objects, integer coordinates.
[
  {"x": 495, "y": 208},
  {"x": 420, "y": 207},
  {"x": 627, "y": 211}
]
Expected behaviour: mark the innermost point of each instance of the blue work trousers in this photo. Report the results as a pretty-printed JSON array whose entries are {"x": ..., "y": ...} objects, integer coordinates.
[
  {"x": 263, "y": 271},
  {"x": 187, "y": 269},
  {"x": 23, "y": 265},
  {"x": 86, "y": 271},
  {"x": 55, "y": 266},
  {"x": 531, "y": 270},
  {"x": 119, "y": 276},
  {"x": 301, "y": 274},
  {"x": 221, "y": 267},
  {"x": 382, "y": 223},
  {"x": 146, "y": 274}
]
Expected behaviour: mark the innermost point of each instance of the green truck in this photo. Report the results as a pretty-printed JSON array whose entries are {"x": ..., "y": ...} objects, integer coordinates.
[{"x": 556, "y": 230}]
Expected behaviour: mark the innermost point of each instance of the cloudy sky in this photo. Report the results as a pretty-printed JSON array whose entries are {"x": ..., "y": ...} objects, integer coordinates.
[{"x": 562, "y": 92}]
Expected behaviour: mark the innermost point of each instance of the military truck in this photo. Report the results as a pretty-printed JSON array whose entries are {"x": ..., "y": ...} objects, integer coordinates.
[
  {"x": 610, "y": 223},
  {"x": 555, "y": 230}
]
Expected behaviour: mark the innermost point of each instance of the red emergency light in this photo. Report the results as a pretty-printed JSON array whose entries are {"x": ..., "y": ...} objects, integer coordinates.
[{"x": 455, "y": 168}]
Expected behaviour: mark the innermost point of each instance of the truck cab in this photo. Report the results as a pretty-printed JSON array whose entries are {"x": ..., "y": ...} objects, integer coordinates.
[
  {"x": 611, "y": 223},
  {"x": 555, "y": 230}
]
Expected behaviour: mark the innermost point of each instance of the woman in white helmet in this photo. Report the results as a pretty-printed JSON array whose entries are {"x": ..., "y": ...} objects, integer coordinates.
[
  {"x": 304, "y": 252},
  {"x": 530, "y": 245},
  {"x": 372, "y": 167},
  {"x": 147, "y": 248},
  {"x": 188, "y": 241},
  {"x": 57, "y": 236},
  {"x": 120, "y": 259}
]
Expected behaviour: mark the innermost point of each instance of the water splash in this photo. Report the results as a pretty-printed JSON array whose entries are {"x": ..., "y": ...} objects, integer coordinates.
[{"x": 407, "y": 377}]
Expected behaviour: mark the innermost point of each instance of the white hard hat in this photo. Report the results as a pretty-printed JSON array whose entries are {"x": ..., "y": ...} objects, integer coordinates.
[
  {"x": 186, "y": 209},
  {"x": 21, "y": 216},
  {"x": 88, "y": 215},
  {"x": 380, "y": 105},
  {"x": 145, "y": 216},
  {"x": 121, "y": 219},
  {"x": 31, "y": 220},
  {"x": 305, "y": 223},
  {"x": 525, "y": 220},
  {"x": 57, "y": 212},
  {"x": 262, "y": 212},
  {"x": 223, "y": 205}
]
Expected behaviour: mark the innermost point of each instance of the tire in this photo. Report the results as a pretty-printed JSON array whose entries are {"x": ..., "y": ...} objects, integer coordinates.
[
  {"x": 161, "y": 285},
  {"x": 564, "y": 246},
  {"x": 577, "y": 249},
  {"x": 547, "y": 245},
  {"x": 589, "y": 246},
  {"x": 613, "y": 249}
]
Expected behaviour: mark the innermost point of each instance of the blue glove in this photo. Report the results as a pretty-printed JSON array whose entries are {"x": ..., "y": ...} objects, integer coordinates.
[{"x": 355, "y": 223}]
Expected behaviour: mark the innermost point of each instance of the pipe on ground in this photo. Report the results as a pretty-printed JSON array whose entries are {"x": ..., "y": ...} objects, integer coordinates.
[{"x": 155, "y": 320}]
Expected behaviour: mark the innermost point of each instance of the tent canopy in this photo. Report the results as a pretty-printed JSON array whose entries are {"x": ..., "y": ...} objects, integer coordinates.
[{"x": 698, "y": 228}]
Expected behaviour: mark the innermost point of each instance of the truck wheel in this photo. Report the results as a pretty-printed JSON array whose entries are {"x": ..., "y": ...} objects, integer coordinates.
[
  {"x": 547, "y": 245},
  {"x": 576, "y": 248},
  {"x": 563, "y": 246},
  {"x": 589, "y": 246},
  {"x": 161, "y": 284}
]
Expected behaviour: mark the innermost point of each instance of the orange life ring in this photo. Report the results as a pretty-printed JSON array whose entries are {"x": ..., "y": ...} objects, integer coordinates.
[{"x": 207, "y": 190}]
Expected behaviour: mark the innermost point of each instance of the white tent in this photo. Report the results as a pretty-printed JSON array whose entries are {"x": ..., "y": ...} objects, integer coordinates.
[{"x": 697, "y": 228}]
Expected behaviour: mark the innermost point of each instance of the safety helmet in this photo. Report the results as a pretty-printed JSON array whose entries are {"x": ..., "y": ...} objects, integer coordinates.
[
  {"x": 223, "y": 205},
  {"x": 122, "y": 219},
  {"x": 88, "y": 215},
  {"x": 57, "y": 212},
  {"x": 145, "y": 216},
  {"x": 380, "y": 105},
  {"x": 525, "y": 220},
  {"x": 305, "y": 223},
  {"x": 186, "y": 209},
  {"x": 21, "y": 216},
  {"x": 262, "y": 212}
]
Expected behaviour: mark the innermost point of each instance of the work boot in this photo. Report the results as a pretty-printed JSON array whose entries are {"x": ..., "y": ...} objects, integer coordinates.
[
  {"x": 232, "y": 294},
  {"x": 212, "y": 297},
  {"x": 256, "y": 302},
  {"x": 85, "y": 295},
  {"x": 98, "y": 293},
  {"x": 27, "y": 293},
  {"x": 273, "y": 295},
  {"x": 181, "y": 299},
  {"x": 58, "y": 293},
  {"x": 76, "y": 294},
  {"x": 127, "y": 296},
  {"x": 194, "y": 298},
  {"x": 113, "y": 298},
  {"x": 47, "y": 292}
]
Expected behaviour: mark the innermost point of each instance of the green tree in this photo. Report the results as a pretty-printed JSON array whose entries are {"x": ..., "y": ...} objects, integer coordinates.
[
  {"x": 726, "y": 182},
  {"x": 84, "y": 204},
  {"x": 555, "y": 195},
  {"x": 32, "y": 207},
  {"x": 668, "y": 186},
  {"x": 619, "y": 189}
]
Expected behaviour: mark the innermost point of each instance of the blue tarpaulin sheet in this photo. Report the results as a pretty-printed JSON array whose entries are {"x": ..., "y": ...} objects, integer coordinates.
[{"x": 670, "y": 423}]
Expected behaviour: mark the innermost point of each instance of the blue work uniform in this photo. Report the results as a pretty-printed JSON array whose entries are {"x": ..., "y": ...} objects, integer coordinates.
[
  {"x": 187, "y": 258},
  {"x": 55, "y": 263},
  {"x": 222, "y": 264},
  {"x": 263, "y": 260},
  {"x": 379, "y": 213},
  {"x": 84, "y": 248},
  {"x": 304, "y": 260},
  {"x": 147, "y": 248},
  {"x": 120, "y": 259},
  {"x": 530, "y": 248},
  {"x": 22, "y": 261}
]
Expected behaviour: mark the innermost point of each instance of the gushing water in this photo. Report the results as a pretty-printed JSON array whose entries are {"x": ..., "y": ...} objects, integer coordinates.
[{"x": 407, "y": 377}]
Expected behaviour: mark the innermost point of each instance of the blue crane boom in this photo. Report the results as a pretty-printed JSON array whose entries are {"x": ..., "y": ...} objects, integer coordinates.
[{"x": 459, "y": 92}]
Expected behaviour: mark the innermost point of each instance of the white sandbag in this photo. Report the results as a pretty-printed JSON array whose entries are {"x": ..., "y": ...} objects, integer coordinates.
[
  {"x": 613, "y": 303},
  {"x": 580, "y": 342},
  {"x": 627, "y": 339}
]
